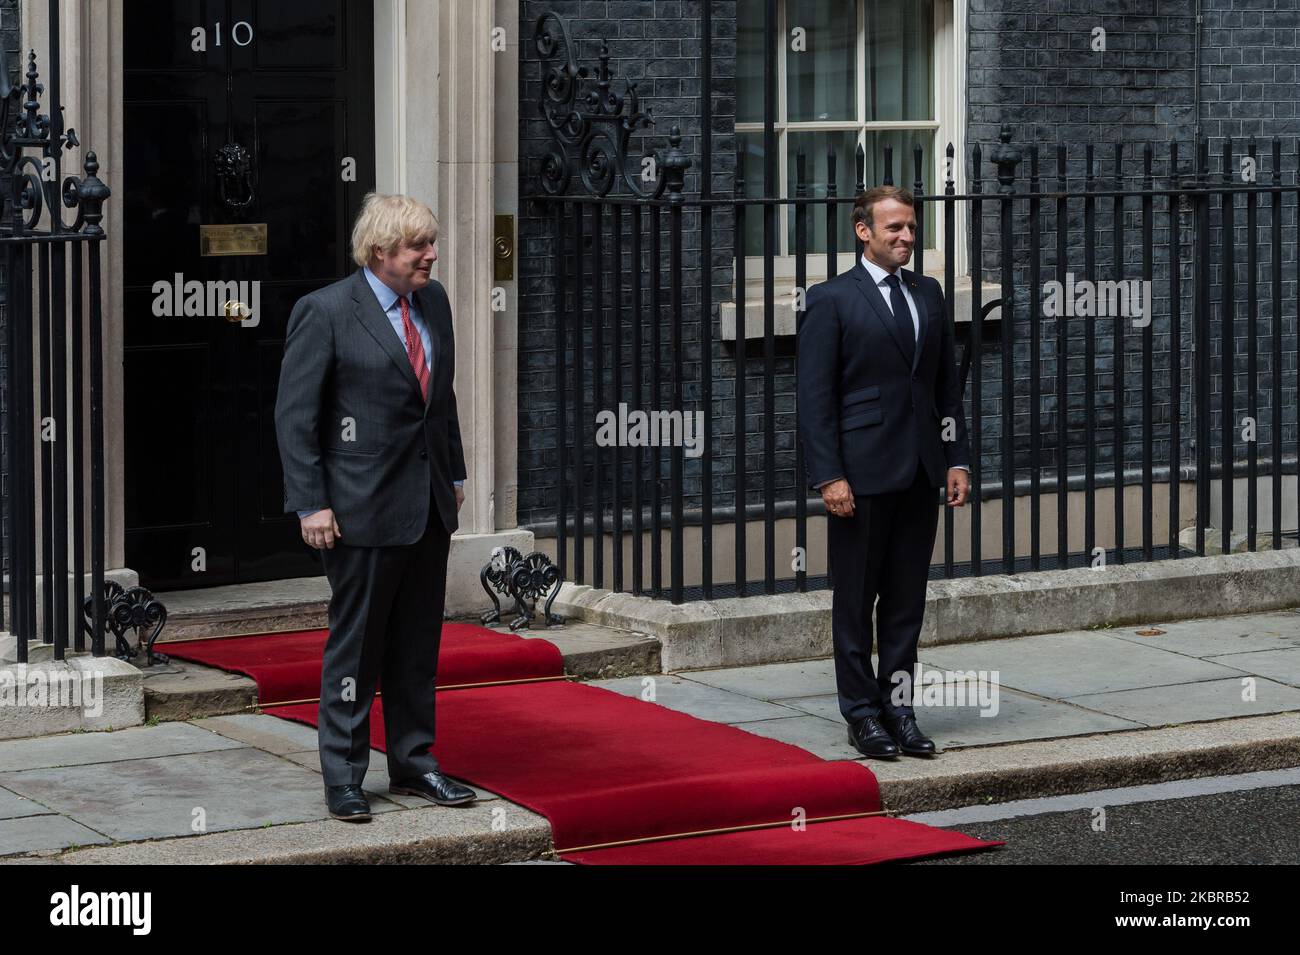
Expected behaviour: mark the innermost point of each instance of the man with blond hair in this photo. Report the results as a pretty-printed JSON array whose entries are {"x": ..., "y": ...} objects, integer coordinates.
[{"x": 373, "y": 465}]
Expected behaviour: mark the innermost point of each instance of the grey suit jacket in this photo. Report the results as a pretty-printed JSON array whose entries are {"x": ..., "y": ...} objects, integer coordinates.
[{"x": 354, "y": 434}]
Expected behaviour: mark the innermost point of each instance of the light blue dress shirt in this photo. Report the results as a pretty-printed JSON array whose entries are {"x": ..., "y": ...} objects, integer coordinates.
[{"x": 388, "y": 302}]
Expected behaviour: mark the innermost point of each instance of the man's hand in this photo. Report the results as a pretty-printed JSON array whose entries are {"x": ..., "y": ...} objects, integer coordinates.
[
  {"x": 460, "y": 497},
  {"x": 958, "y": 486},
  {"x": 838, "y": 498},
  {"x": 320, "y": 529}
]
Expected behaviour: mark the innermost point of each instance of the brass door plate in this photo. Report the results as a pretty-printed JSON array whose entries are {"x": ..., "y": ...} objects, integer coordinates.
[
  {"x": 503, "y": 249},
  {"x": 233, "y": 239}
]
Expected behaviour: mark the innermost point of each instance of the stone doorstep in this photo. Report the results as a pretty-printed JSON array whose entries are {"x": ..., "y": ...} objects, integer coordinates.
[
  {"x": 101, "y": 694},
  {"x": 196, "y": 626},
  {"x": 745, "y": 631},
  {"x": 180, "y": 690},
  {"x": 1000, "y": 773},
  {"x": 296, "y": 604}
]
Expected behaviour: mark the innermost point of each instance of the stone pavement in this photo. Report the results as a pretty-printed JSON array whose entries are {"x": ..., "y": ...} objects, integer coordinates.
[
  {"x": 1049, "y": 686},
  {"x": 226, "y": 789},
  {"x": 1074, "y": 711}
]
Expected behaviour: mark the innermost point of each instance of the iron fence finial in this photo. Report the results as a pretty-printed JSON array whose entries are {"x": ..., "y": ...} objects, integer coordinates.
[
  {"x": 1006, "y": 157},
  {"x": 675, "y": 163},
  {"x": 92, "y": 194}
]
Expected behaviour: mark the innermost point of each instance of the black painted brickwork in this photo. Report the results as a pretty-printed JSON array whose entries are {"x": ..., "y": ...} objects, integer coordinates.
[{"x": 1035, "y": 71}]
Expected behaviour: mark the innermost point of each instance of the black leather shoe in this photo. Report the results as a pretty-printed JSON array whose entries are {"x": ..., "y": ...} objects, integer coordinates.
[
  {"x": 908, "y": 735},
  {"x": 872, "y": 739},
  {"x": 347, "y": 803},
  {"x": 434, "y": 787}
]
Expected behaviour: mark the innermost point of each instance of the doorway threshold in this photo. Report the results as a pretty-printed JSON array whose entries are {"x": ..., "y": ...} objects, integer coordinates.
[{"x": 297, "y": 603}]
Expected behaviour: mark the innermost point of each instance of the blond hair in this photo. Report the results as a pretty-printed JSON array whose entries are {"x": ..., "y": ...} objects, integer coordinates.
[{"x": 388, "y": 222}]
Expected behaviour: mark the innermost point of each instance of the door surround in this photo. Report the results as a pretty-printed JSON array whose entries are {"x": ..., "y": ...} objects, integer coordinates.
[{"x": 451, "y": 159}]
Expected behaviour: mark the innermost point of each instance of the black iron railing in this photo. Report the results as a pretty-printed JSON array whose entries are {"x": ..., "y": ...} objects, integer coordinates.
[
  {"x": 1059, "y": 399},
  {"x": 53, "y": 334}
]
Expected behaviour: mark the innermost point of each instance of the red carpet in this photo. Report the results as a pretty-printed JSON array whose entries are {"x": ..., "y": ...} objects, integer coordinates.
[
  {"x": 286, "y": 666},
  {"x": 607, "y": 768}
]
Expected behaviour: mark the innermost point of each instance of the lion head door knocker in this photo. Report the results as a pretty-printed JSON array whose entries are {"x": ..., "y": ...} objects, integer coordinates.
[{"x": 235, "y": 179}]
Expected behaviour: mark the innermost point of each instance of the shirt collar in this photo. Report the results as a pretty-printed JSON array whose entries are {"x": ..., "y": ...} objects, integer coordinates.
[
  {"x": 382, "y": 292},
  {"x": 876, "y": 272}
]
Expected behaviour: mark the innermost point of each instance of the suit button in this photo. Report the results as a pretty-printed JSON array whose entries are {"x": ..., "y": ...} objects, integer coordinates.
[{"x": 423, "y": 453}]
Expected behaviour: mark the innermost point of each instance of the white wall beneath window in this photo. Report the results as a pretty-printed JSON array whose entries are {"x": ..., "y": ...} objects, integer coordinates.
[
  {"x": 390, "y": 95},
  {"x": 951, "y": 27}
]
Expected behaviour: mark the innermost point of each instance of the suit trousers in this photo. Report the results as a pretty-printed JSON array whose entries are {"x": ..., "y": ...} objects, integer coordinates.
[
  {"x": 385, "y": 619},
  {"x": 880, "y": 557}
]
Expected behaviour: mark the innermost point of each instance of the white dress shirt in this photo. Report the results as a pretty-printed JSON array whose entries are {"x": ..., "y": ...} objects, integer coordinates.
[{"x": 878, "y": 275}]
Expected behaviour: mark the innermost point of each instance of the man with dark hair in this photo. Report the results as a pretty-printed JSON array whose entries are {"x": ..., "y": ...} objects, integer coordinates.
[{"x": 882, "y": 428}]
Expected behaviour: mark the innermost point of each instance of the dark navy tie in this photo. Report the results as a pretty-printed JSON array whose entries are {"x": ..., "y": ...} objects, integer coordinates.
[{"x": 902, "y": 316}]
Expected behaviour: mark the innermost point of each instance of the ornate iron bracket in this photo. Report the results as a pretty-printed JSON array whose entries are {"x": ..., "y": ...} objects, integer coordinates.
[
  {"x": 593, "y": 132},
  {"x": 135, "y": 609},
  {"x": 526, "y": 580}
]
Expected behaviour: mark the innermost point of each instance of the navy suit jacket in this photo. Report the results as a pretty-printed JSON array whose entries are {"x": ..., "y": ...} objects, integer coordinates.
[{"x": 867, "y": 413}]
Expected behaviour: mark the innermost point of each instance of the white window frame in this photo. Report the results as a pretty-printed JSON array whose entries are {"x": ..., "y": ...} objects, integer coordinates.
[{"x": 949, "y": 125}]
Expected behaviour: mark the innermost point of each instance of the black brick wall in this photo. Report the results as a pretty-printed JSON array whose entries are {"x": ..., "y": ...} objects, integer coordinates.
[
  {"x": 1035, "y": 71},
  {"x": 1249, "y": 87},
  {"x": 656, "y": 44}
]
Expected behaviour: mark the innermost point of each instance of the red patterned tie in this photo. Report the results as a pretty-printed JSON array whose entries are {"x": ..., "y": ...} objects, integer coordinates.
[{"x": 415, "y": 348}]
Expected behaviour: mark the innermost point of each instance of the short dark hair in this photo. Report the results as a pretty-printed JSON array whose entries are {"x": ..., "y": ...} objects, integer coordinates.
[{"x": 862, "y": 208}]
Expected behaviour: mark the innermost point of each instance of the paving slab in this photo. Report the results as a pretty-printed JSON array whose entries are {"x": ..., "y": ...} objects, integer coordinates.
[
  {"x": 698, "y": 699},
  {"x": 771, "y": 681},
  {"x": 71, "y": 749},
  {"x": 1282, "y": 666},
  {"x": 14, "y": 806},
  {"x": 266, "y": 732},
  {"x": 241, "y": 788},
  {"x": 45, "y": 833},
  {"x": 823, "y": 738},
  {"x": 1219, "y": 635},
  {"x": 1194, "y": 702},
  {"x": 1018, "y": 717},
  {"x": 1060, "y": 665}
]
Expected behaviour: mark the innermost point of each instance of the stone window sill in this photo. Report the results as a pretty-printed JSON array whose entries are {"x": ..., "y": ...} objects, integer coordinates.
[{"x": 784, "y": 316}]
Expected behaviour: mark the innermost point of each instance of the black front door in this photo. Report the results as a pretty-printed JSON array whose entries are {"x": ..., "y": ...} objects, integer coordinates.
[{"x": 285, "y": 93}]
